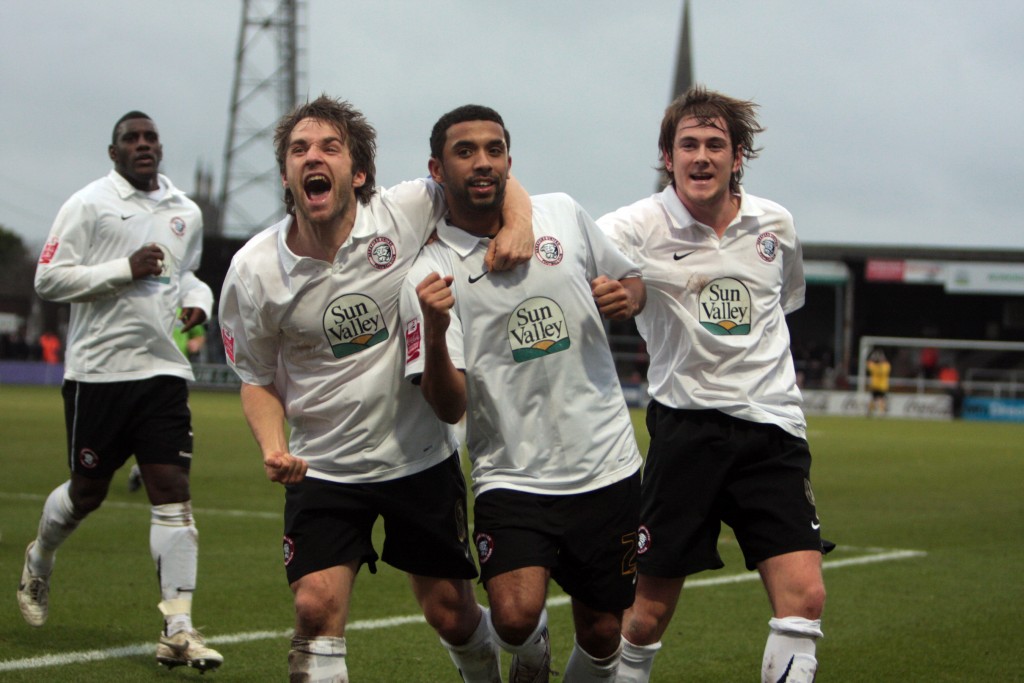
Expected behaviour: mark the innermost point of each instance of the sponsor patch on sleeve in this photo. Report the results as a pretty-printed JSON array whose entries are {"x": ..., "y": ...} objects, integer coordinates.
[
  {"x": 49, "y": 249},
  {"x": 412, "y": 341},
  {"x": 229, "y": 343}
]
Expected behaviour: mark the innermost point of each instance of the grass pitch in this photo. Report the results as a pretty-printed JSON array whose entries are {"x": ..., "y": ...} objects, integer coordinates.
[{"x": 924, "y": 586}]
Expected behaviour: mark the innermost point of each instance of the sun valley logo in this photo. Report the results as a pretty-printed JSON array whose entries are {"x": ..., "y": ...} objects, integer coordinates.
[
  {"x": 537, "y": 328},
  {"x": 353, "y": 323},
  {"x": 725, "y": 307}
]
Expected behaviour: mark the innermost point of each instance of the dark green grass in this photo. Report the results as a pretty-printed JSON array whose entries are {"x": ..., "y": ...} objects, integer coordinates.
[{"x": 952, "y": 490}]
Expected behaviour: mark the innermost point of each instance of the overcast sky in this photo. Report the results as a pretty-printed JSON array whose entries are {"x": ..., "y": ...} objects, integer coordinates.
[{"x": 895, "y": 123}]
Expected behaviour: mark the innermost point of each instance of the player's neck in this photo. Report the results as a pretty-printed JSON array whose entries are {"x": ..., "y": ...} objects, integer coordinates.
[
  {"x": 718, "y": 215},
  {"x": 482, "y": 223},
  {"x": 319, "y": 240}
]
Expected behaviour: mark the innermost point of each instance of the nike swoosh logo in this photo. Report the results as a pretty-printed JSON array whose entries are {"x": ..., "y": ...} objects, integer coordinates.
[
  {"x": 124, "y": 218},
  {"x": 477, "y": 278},
  {"x": 785, "y": 674},
  {"x": 680, "y": 257},
  {"x": 815, "y": 525}
]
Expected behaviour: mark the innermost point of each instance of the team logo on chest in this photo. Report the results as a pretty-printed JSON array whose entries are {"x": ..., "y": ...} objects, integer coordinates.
[
  {"x": 725, "y": 307},
  {"x": 353, "y": 323},
  {"x": 548, "y": 251},
  {"x": 381, "y": 253},
  {"x": 178, "y": 226},
  {"x": 537, "y": 328},
  {"x": 767, "y": 246}
]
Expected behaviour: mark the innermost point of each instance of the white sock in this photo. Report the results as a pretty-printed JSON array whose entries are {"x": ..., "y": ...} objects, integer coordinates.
[
  {"x": 174, "y": 544},
  {"x": 532, "y": 651},
  {"x": 636, "y": 662},
  {"x": 58, "y": 521},
  {"x": 789, "y": 652},
  {"x": 586, "y": 669},
  {"x": 479, "y": 658},
  {"x": 318, "y": 660}
]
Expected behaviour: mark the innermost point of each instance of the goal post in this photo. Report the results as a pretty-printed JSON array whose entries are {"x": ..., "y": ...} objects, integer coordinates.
[{"x": 1008, "y": 381}]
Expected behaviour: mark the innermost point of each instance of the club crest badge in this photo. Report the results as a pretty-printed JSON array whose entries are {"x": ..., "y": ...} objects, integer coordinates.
[
  {"x": 643, "y": 540},
  {"x": 178, "y": 226},
  {"x": 484, "y": 546},
  {"x": 381, "y": 253},
  {"x": 548, "y": 251},
  {"x": 767, "y": 246},
  {"x": 88, "y": 459}
]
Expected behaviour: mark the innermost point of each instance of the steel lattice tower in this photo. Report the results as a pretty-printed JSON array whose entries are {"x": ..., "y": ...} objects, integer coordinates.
[{"x": 267, "y": 83}]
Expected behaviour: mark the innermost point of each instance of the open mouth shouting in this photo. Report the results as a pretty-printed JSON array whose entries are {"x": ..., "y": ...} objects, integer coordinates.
[{"x": 317, "y": 188}]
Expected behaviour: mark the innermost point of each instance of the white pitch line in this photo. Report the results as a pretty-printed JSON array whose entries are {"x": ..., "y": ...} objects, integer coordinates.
[
  {"x": 66, "y": 658},
  {"x": 252, "y": 514}
]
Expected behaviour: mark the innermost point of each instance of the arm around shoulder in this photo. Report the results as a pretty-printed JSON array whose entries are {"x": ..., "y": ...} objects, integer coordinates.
[{"x": 513, "y": 245}]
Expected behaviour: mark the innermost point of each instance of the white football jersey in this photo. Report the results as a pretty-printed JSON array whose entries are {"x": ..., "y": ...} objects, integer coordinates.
[
  {"x": 545, "y": 412},
  {"x": 327, "y": 335},
  {"x": 715, "y": 320},
  {"x": 122, "y": 329}
]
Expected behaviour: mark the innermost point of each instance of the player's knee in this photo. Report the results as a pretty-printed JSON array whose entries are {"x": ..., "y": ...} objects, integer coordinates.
[
  {"x": 601, "y": 637},
  {"x": 315, "y": 611},
  {"x": 166, "y": 484},
  {"x": 815, "y": 601},
  {"x": 453, "y": 621},
  {"x": 514, "y": 624},
  {"x": 86, "y": 499},
  {"x": 809, "y": 603},
  {"x": 644, "y": 626}
]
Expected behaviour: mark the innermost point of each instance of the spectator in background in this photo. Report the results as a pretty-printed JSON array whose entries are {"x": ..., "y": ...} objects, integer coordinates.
[
  {"x": 190, "y": 341},
  {"x": 879, "y": 369},
  {"x": 50, "y": 347},
  {"x": 929, "y": 361}
]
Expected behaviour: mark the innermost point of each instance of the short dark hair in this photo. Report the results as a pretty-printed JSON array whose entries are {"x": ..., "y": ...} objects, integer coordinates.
[
  {"x": 134, "y": 114},
  {"x": 467, "y": 112},
  {"x": 705, "y": 105},
  {"x": 357, "y": 133}
]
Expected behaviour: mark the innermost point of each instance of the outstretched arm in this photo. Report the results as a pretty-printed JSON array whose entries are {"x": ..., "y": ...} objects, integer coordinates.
[
  {"x": 265, "y": 414},
  {"x": 443, "y": 385}
]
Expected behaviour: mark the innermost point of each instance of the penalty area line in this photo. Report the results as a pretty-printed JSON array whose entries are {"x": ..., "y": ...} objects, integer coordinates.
[{"x": 84, "y": 656}]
